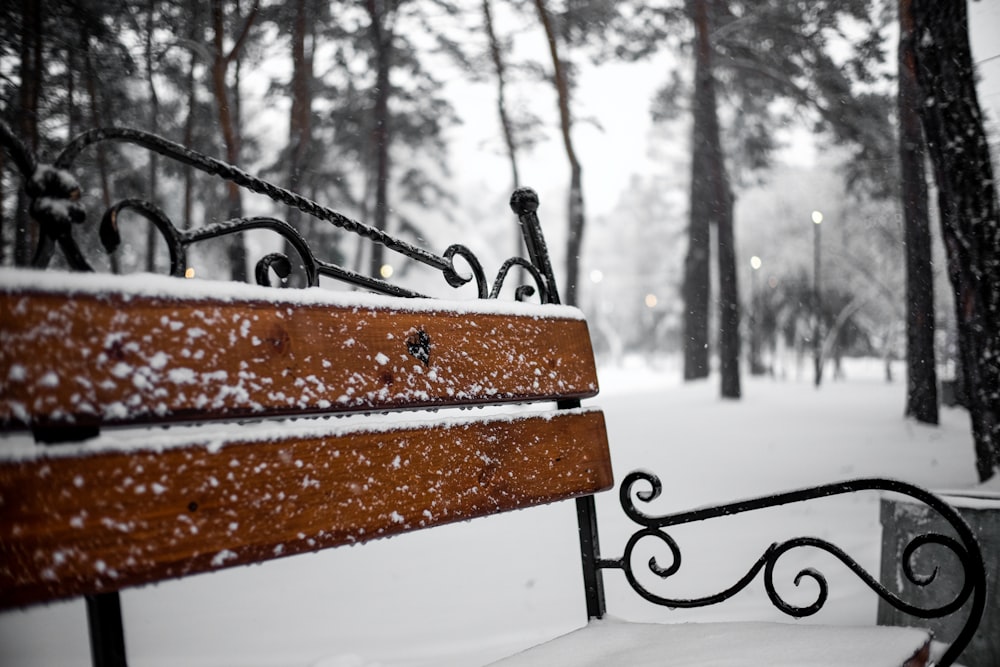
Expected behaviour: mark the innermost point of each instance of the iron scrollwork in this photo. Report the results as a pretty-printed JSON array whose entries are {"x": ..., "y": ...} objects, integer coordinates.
[
  {"x": 55, "y": 204},
  {"x": 641, "y": 487}
]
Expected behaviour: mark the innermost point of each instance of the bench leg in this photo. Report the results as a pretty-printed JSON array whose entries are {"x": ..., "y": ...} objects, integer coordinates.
[
  {"x": 590, "y": 554},
  {"x": 107, "y": 637}
]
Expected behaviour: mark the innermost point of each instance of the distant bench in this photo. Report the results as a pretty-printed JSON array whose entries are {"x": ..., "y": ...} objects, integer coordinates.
[{"x": 95, "y": 497}]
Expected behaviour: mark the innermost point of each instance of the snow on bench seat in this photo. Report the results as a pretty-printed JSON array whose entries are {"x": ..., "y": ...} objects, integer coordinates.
[{"x": 611, "y": 642}]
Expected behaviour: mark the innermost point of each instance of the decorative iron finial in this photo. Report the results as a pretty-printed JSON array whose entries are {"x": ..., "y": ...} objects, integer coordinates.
[{"x": 524, "y": 201}]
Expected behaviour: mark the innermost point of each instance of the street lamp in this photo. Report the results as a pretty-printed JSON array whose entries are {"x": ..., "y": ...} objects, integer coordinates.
[
  {"x": 817, "y": 218},
  {"x": 756, "y": 368}
]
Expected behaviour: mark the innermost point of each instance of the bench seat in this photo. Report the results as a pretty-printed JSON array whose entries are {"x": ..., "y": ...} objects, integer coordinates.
[{"x": 613, "y": 642}]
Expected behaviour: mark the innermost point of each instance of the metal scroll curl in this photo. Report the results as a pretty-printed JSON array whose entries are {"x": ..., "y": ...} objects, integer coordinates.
[
  {"x": 521, "y": 293},
  {"x": 55, "y": 195},
  {"x": 641, "y": 488}
]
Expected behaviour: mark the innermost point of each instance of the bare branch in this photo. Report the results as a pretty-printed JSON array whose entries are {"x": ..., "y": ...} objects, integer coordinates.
[{"x": 238, "y": 46}]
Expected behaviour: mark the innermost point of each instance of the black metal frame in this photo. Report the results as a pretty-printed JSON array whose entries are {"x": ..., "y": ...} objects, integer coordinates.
[
  {"x": 54, "y": 196},
  {"x": 966, "y": 549},
  {"x": 55, "y": 204},
  {"x": 107, "y": 634}
]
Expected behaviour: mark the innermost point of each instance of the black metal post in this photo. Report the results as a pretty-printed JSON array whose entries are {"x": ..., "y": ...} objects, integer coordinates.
[
  {"x": 756, "y": 365},
  {"x": 107, "y": 636},
  {"x": 593, "y": 581},
  {"x": 524, "y": 203},
  {"x": 817, "y": 219}
]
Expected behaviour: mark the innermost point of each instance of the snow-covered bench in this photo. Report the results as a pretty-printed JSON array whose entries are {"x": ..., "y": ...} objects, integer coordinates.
[{"x": 157, "y": 427}]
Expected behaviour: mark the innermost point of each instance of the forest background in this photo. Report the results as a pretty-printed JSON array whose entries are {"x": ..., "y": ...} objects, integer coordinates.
[{"x": 421, "y": 117}]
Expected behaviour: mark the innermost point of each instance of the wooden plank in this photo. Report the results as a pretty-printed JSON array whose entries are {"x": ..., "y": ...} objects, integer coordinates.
[
  {"x": 78, "y": 523},
  {"x": 921, "y": 657},
  {"x": 81, "y": 359}
]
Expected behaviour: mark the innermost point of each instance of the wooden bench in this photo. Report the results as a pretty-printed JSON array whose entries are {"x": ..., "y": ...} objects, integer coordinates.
[{"x": 157, "y": 428}]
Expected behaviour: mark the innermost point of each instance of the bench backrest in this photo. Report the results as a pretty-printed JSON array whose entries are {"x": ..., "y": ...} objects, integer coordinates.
[{"x": 82, "y": 353}]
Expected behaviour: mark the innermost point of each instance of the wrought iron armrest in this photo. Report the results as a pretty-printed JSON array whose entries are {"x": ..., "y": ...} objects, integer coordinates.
[
  {"x": 965, "y": 548},
  {"x": 55, "y": 196}
]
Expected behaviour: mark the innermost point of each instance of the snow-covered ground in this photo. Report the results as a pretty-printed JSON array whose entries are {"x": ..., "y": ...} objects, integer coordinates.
[{"x": 466, "y": 594}]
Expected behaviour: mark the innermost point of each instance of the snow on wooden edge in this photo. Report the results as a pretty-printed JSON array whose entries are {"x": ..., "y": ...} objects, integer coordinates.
[
  {"x": 21, "y": 446},
  {"x": 613, "y": 642},
  {"x": 169, "y": 287}
]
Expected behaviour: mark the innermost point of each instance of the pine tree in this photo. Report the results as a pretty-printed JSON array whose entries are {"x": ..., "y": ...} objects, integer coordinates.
[
  {"x": 227, "y": 106},
  {"x": 577, "y": 217},
  {"x": 967, "y": 201},
  {"x": 759, "y": 53},
  {"x": 711, "y": 205},
  {"x": 54, "y": 92},
  {"x": 498, "y": 60},
  {"x": 31, "y": 76},
  {"x": 921, "y": 391}
]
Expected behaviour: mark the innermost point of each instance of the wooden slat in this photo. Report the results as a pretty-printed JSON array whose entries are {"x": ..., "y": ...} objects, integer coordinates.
[
  {"x": 114, "y": 358},
  {"x": 77, "y": 523}
]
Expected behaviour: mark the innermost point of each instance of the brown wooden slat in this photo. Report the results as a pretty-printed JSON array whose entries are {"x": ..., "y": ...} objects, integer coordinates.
[
  {"x": 118, "y": 358},
  {"x": 77, "y": 523},
  {"x": 921, "y": 657}
]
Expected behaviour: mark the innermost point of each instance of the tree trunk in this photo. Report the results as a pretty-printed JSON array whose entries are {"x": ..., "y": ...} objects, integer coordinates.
[
  {"x": 696, "y": 288},
  {"x": 729, "y": 293},
  {"x": 711, "y": 203},
  {"x": 921, "y": 373},
  {"x": 381, "y": 36},
  {"x": 71, "y": 69},
  {"x": 967, "y": 200},
  {"x": 299, "y": 125},
  {"x": 189, "y": 123},
  {"x": 154, "y": 121},
  {"x": 230, "y": 133},
  {"x": 96, "y": 120},
  {"x": 817, "y": 305},
  {"x": 31, "y": 73},
  {"x": 729, "y": 303},
  {"x": 500, "y": 69},
  {"x": 3, "y": 209},
  {"x": 577, "y": 217}
]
